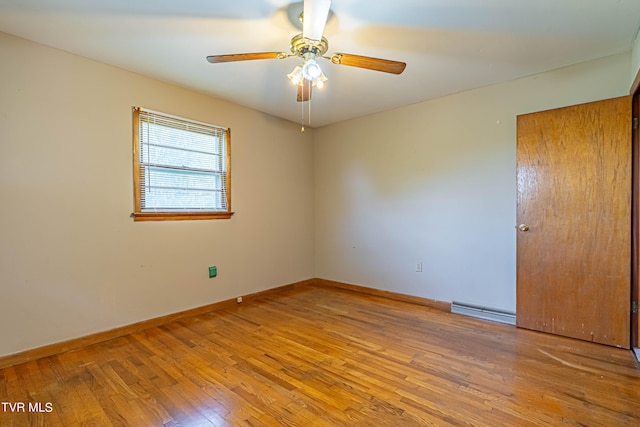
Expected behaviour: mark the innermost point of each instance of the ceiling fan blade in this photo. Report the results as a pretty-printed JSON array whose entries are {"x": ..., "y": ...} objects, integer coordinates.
[
  {"x": 216, "y": 59},
  {"x": 376, "y": 64},
  {"x": 304, "y": 91},
  {"x": 315, "y": 18}
]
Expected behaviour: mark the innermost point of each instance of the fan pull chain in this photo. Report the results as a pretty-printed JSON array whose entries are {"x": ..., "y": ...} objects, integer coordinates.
[
  {"x": 302, "y": 117},
  {"x": 309, "y": 120}
]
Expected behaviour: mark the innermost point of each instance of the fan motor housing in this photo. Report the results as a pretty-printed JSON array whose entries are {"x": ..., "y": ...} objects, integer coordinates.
[{"x": 300, "y": 46}]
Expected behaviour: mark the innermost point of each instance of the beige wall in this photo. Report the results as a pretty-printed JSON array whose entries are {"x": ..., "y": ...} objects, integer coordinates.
[
  {"x": 432, "y": 182},
  {"x": 435, "y": 183},
  {"x": 72, "y": 261}
]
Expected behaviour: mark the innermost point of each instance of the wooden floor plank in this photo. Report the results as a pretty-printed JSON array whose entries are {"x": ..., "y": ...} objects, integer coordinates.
[{"x": 323, "y": 356}]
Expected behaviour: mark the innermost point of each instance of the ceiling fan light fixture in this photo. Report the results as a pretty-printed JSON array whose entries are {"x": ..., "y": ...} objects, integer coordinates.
[
  {"x": 319, "y": 82},
  {"x": 296, "y": 76},
  {"x": 311, "y": 70}
]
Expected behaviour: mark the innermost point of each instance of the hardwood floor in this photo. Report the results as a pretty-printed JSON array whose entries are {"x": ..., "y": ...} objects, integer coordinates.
[{"x": 321, "y": 356}]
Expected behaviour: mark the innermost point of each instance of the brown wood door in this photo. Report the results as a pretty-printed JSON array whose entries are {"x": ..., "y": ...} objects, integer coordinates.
[{"x": 574, "y": 217}]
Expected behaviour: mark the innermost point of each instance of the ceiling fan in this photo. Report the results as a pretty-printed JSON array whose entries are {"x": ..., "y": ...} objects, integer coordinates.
[{"x": 311, "y": 45}]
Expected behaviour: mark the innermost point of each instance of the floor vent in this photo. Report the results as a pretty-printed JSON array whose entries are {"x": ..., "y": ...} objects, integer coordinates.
[{"x": 484, "y": 312}]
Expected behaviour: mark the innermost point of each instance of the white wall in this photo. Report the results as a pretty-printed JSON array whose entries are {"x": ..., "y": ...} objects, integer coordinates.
[
  {"x": 635, "y": 59},
  {"x": 72, "y": 261},
  {"x": 435, "y": 183}
]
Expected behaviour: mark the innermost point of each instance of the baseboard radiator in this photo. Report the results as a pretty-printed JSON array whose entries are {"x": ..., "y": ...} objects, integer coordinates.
[{"x": 486, "y": 313}]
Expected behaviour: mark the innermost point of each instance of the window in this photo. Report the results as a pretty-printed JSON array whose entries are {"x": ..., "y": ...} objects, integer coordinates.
[{"x": 181, "y": 168}]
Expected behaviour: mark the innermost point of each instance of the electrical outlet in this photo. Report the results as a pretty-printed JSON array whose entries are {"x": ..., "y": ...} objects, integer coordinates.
[
  {"x": 419, "y": 267},
  {"x": 213, "y": 271},
  {"x": 239, "y": 300}
]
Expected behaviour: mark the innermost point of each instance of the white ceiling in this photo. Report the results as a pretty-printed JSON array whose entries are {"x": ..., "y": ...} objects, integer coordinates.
[{"x": 449, "y": 45}]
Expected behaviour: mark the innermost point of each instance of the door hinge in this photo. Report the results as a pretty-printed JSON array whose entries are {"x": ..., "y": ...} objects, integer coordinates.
[
  {"x": 634, "y": 307},
  {"x": 635, "y": 123}
]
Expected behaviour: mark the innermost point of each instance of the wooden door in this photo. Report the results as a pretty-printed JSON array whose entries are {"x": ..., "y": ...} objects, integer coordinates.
[{"x": 574, "y": 217}]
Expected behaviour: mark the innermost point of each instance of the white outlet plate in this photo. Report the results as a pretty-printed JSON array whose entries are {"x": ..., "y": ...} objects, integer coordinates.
[
  {"x": 419, "y": 267},
  {"x": 239, "y": 300}
]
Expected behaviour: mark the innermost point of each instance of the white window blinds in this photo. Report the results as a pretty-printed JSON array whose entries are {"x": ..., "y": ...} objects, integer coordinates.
[{"x": 182, "y": 164}]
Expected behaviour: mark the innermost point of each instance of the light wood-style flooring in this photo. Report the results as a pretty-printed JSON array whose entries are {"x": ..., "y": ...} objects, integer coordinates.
[{"x": 322, "y": 356}]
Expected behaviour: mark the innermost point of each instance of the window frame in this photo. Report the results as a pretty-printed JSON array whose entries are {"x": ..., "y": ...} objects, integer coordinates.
[{"x": 138, "y": 214}]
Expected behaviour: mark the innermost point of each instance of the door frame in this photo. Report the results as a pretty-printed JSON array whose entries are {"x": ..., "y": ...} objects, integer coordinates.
[{"x": 635, "y": 212}]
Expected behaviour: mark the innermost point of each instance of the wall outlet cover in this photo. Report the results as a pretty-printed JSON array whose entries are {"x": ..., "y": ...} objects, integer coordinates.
[{"x": 213, "y": 271}]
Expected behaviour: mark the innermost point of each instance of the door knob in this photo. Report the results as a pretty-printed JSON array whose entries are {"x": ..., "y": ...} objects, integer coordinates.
[{"x": 523, "y": 227}]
